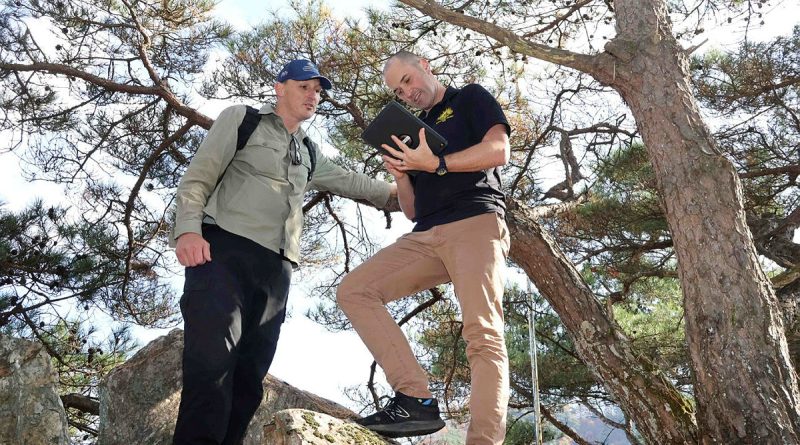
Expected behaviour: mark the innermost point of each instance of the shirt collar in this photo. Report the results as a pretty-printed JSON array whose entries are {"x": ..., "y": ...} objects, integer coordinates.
[
  {"x": 267, "y": 109},
  {"x": 449, "y": 92}
]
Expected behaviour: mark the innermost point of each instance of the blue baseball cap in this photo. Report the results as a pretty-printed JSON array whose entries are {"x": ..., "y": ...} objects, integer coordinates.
[{"x": 302, "y": 69}]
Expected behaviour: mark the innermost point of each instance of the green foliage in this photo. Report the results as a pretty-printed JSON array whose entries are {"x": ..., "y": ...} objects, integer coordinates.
[
  {"x": 759, "y": 85},
  {"x": 757, "y": 76},
  {"x": 82, "y": 361},
  {"x": 652, "y": 316},
  {"x": 624, "y": 201},
  {"x": 523, "y": 432},
  {"x": 56, "y": 277},
  {"x": 45, "y": 259},
  {"x": 562, "y": 376},
  {"x": 620, "y": 229}
]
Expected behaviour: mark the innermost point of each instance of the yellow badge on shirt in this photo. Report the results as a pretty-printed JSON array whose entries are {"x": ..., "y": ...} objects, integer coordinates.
[{"x": 446, "y": 114}]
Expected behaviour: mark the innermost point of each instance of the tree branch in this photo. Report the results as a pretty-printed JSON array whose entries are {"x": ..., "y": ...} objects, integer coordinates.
[
  {"x": 82, "y": 403},
  {"x": 66, "y": 70},
  {"x": 578, "y": 61},
  {"x": 327, "y": 201},
  {"x": 563, "y": 427}
]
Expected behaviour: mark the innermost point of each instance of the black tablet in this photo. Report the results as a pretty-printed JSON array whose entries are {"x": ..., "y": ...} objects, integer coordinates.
[{"x": 394, "y": 119}]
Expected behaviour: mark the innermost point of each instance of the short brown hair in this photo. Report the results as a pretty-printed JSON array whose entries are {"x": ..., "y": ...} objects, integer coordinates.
[{"x": 403, "y": 55}]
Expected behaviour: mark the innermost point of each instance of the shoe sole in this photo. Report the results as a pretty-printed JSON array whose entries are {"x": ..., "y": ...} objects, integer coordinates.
[{"x": 408, "y": 429}]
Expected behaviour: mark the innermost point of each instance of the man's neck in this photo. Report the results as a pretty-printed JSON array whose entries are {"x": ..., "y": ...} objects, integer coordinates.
[
  {"x": 438, "y": 97},
  {"x": 292, "y": 125}
]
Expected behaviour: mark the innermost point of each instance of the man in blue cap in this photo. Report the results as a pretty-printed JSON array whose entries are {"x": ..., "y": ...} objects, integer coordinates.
[{"x": 237, "y": 231}]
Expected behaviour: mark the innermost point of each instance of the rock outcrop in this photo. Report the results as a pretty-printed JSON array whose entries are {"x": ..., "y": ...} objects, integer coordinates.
[
  {"x": 139, "y": 403},
  {"x": 139, "y": 399},
  {"x": 31, "y": 412},
  {"x": 303, "y": 427}
]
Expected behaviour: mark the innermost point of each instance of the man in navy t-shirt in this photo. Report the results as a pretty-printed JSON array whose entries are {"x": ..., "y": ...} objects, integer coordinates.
[{"x": 460, "y": 236}]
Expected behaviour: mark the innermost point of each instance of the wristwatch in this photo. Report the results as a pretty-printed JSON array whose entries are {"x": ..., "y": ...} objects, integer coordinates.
[{"x": 441, "y": 170}]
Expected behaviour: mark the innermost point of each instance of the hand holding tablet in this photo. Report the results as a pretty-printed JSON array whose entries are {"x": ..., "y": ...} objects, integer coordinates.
[{"x": 394, "y": 119}]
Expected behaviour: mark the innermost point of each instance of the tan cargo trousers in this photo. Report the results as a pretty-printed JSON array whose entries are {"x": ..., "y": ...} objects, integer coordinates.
[{"x": 471, "y": 253}]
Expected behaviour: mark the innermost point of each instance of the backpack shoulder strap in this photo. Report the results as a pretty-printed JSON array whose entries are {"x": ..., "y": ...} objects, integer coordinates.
[
  {"x": 247, "y": 127},
  {"x": 312, "y": 155}
]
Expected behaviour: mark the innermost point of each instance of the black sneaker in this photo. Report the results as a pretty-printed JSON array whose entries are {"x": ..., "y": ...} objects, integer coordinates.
[{"x": 405, "y": 416}]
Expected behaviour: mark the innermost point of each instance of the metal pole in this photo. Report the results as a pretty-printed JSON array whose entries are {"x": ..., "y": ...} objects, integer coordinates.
[{"x": 537, "y": 423}]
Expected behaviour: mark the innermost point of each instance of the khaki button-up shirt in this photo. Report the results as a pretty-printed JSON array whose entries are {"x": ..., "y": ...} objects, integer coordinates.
[{"x": 260, "y": 194}]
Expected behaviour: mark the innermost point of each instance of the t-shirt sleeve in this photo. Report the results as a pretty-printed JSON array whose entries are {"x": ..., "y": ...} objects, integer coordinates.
[{"x": 487, "y": 110}]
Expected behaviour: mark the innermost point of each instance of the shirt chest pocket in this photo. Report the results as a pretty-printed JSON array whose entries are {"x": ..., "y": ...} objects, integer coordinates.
[
  {"x": 277, "y": 159},
  {"x": 265, "y": 156}
]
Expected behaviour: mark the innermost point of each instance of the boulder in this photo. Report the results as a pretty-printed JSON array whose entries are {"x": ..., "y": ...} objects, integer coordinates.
[
  {"x": 139, "y": 403},
  {"x": 139, "y": 399},
  {"x": 31, "y": 412},
  {"x": 303, "y": 427}
]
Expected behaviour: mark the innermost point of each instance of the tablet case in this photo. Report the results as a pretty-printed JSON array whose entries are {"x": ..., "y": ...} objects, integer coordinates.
[{"x": 394, "y": 119}]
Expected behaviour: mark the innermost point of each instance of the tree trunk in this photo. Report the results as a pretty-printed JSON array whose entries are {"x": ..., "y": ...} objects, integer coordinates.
[
  {"x": 745, "y": 386},
  {"x": 661, "y": 413}
]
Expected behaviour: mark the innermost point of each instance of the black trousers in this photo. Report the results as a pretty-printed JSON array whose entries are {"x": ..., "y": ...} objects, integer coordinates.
[{"x": 233, "y": 308}]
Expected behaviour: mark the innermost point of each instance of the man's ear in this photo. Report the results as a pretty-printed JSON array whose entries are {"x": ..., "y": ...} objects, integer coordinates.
[
  {"x": 426, "y": 65},
  {"x": 279, "y": 86}
]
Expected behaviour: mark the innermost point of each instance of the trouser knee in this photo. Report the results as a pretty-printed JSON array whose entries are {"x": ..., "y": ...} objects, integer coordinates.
[
  {"x": 484, "y": 341},
  {"x": 347, "y": 293}
]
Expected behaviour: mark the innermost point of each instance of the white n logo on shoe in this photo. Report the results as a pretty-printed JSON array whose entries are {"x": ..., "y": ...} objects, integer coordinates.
[{"x": 396, "y": 411}]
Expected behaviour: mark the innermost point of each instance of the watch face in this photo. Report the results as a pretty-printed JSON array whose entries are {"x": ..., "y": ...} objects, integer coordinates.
[{"x": 441, "y": 170}]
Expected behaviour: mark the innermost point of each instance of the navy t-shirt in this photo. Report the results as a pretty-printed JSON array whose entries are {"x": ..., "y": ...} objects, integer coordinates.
[{"x": 463, "y": 117}]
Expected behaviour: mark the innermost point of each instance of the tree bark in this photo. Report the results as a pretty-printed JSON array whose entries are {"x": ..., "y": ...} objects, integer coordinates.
[
  {"x": 81, "y": 403},
  {"x": 661, "y": 413},
  {"x": 745, "y": 385}
]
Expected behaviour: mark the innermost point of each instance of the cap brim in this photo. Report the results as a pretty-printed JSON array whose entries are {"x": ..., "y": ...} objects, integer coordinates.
[{"x": 323, "y": 81}]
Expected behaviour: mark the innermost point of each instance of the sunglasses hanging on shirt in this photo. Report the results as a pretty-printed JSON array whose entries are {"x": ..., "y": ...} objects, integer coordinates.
[{"x": 294, "y": 152}]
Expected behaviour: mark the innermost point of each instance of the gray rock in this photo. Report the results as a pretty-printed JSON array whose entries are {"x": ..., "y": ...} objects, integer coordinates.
[
  {"x": 303, "y": 427},
  {"x": 31, "y": 412},
  {"x": 139, "y": 399}
]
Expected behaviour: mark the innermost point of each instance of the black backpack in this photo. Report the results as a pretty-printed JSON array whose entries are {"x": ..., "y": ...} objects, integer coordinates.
[{"x": 248, "y": 126}]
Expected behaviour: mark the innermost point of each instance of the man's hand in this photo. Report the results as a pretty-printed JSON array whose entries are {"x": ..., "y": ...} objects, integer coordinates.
[
  {"x": 192, "y": 250},
  {"x": 392, "y": 165},
  {"x": 407, "y": 158}
]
